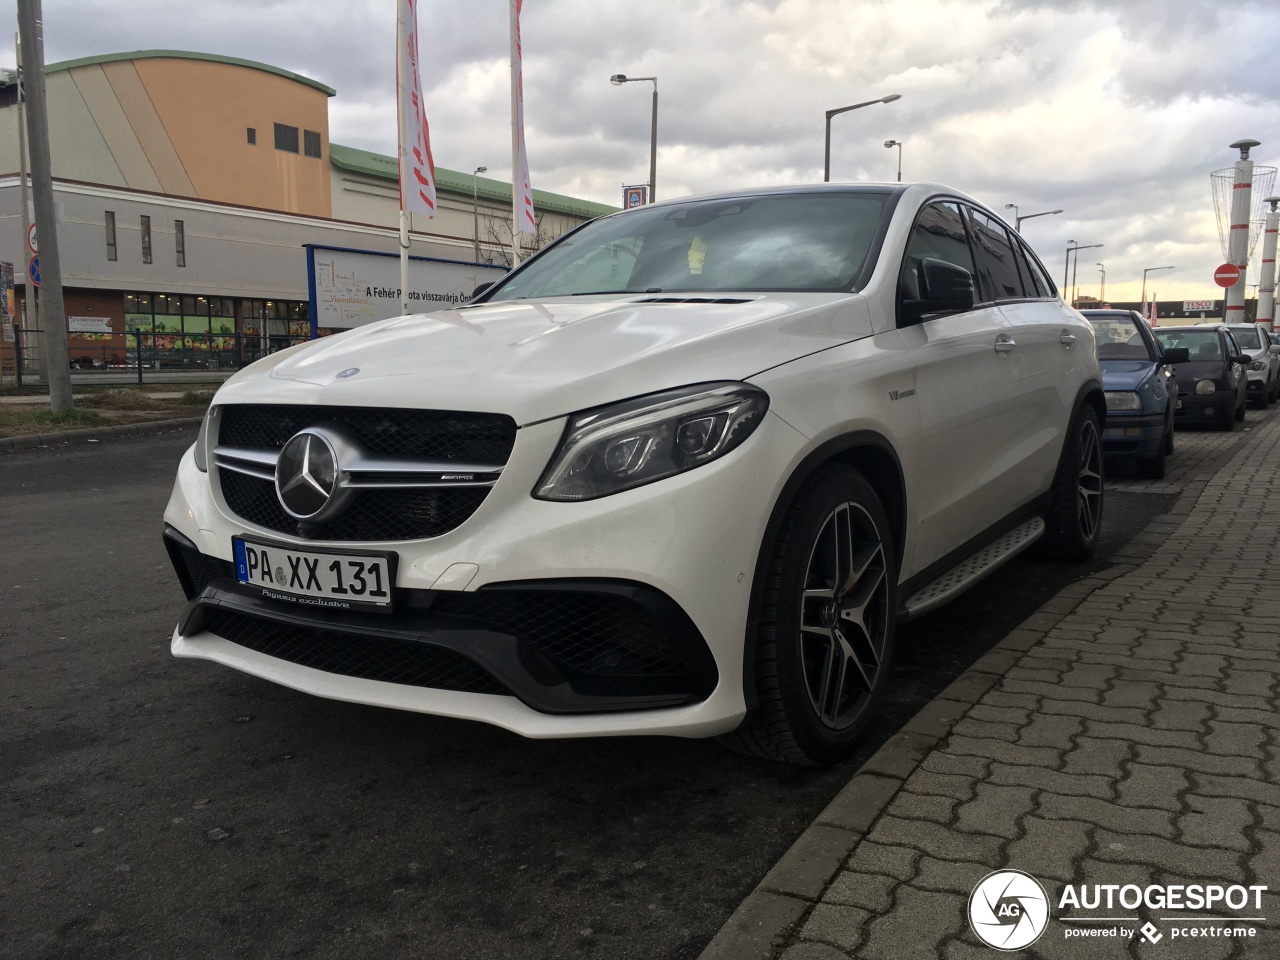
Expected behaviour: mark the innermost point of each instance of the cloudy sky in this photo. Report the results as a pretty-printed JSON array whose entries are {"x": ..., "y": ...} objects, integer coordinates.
[{"x": 1115, "y": 111}]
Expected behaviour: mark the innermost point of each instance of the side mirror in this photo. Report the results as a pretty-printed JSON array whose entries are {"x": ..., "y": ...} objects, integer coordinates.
[
  {"x": 945, "y": 283},
  {"x": 480, "y": 288},
  {"x": 1275, "y": 348},
  {"x": 1177, "y": 354},
  {"x": 944, "y": 288},
  {"x": 1241, "y": 358}
]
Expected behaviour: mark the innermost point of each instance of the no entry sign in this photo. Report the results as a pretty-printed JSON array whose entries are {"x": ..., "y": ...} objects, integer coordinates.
[{"x": 1226, "y": 275}]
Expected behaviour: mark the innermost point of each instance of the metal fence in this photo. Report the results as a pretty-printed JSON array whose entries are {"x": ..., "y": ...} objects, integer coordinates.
[{"x": 146, "y": 352}]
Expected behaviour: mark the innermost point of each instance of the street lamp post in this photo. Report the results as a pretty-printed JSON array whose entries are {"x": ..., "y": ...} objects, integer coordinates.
[
  {"x": 826, "y": 149},
  {"x": 618, "y": 79},
  {"x": 1144, "y": 279},
  {"x": 1102, "y": 293},
  {"x": 475, "y": 211},
  {"x": 1073, "y": 247},
  {"x": 896, "y": 143},
  {"x": 1017, "y": 220}
]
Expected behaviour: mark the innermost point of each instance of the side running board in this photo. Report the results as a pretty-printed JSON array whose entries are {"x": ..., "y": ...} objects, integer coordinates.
[{"x": 972, "y": 569}]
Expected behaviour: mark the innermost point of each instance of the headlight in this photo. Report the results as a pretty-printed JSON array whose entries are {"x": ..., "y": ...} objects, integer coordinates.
[
  {"x": 1123, "y": 400},
  {"x": 1206, "y": 388},
  {"x": 1257, "y": 365},
  {"x": 202, "y": 443},
  {"x": 627, "y": 444}
]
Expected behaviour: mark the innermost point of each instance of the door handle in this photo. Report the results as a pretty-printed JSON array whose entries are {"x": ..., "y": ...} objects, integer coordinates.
[
  {"x": 1067, "y": 339},
  {"x": 1005, "y": 344}
]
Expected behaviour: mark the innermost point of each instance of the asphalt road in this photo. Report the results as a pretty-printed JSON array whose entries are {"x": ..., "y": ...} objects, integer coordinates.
[{"x": 154, "y": 808}]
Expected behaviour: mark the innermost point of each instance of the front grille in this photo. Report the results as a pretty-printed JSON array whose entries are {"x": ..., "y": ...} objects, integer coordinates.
[
  {"x": 390, "y": 433},
  {"x": 372, "y": 515},
  {"x": 598, "y": 635},
  {"x": 375, "y": 514},
  {"x": 406, "y": 662}
]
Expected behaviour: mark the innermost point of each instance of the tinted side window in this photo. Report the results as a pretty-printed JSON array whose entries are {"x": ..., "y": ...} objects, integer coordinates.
[
  {"x": 938, "y": 235},
  {"x": 998, "y": 276},
  {"x": 1044, "y": 285},
  {"x": 1034, "y": 282}
]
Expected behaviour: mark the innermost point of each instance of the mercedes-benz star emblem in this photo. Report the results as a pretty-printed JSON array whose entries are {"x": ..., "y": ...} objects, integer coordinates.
[{"x": 306, "y": 474}]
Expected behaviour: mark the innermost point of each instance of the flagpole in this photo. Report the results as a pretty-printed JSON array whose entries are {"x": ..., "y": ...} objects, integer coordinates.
[
  {"x": 515, "y": 135},
  {"x": 402, "y": 150}
]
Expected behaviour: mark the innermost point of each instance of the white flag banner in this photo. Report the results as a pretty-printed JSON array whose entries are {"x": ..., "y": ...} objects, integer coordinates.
[
  {"x": 523, "y": 193},
  {"x": 417, "y": 169}
]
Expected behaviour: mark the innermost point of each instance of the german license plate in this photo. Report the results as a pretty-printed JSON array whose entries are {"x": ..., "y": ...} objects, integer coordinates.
[{"x": 340, "y": 581}]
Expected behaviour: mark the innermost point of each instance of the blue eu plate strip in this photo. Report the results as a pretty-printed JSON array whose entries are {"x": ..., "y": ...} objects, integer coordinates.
[{"x": 242, "y": 562}]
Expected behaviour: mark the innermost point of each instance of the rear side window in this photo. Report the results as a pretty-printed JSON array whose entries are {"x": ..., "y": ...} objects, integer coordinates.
[
  {"x": 998, "y": 276},
  {"x": 1038, "y": 276},
  {"x": 939, "y": 234}
]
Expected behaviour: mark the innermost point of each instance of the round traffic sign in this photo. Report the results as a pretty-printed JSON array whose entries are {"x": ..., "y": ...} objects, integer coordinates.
[
  {"x": 31, "y": 240},
  {"x": 33, "y": 271},
  {"x": 1226, "y": 275}
]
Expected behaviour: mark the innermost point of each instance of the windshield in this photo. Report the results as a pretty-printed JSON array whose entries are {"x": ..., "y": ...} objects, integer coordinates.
[
  {"x": 1119, "y": 338},
  {"x": 1247, "y": 337},
  {"x": 813, "y": 242},
  {"x": 1203, "y": 344}
]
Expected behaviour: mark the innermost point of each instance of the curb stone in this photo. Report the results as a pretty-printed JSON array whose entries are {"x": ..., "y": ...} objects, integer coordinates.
[
  {"x": 795, "y": 884},
  {"x": 33, "y": 440}
]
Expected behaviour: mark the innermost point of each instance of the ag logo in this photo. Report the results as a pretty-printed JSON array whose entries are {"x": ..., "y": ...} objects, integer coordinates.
[{"x": 1008, "y": 910}]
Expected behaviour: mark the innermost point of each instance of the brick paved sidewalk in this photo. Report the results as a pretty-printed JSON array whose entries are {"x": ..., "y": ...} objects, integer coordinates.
[{"x": 1126, "y": 734}]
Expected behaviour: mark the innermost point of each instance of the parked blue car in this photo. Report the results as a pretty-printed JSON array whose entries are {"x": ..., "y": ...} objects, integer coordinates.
[{"x": 1138, "y": 378}]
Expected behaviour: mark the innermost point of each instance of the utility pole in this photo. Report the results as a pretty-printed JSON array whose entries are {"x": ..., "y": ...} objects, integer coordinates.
[
  {"x": 30, "y": 299},
  {"x": 53, "y": 314}
]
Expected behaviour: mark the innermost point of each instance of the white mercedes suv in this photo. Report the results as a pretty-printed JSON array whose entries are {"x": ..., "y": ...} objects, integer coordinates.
[{"x": 680, "y": 473}]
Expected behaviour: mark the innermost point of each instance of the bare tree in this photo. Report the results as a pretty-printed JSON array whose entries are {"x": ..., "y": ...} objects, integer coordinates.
[{"x": 495, "y": 248}]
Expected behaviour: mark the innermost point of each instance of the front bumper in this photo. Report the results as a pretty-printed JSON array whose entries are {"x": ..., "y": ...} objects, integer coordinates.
[
  {"x": 1212, "y": 409},
  {"x": 685, "y": 547},
  {"x": 1126, "y": 435},
  {"x": 559, "y": 646}
]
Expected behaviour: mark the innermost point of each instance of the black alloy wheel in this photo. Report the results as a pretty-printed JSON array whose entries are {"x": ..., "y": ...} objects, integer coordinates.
[
  {"x": 1075, "y": 510},
  {"x": 843, "y": 616},
  {"x": 828, "y": 607}
]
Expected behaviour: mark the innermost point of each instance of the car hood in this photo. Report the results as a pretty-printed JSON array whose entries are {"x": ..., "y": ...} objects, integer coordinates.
[
  {"x": 1194, "y": 370},
  {"x": 537, "y": 360},
  {"x": 1125, "y": 374}
]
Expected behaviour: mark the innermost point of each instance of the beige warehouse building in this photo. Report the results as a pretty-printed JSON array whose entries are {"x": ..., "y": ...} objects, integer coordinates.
[{"x": 192, "y": 189}]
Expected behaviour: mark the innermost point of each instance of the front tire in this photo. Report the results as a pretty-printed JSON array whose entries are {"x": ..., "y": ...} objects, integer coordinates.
[
  {"x": 1240, "y": 409},
  {"x": 826, "y": 631},
  {"x": 1075, "y": 508}
]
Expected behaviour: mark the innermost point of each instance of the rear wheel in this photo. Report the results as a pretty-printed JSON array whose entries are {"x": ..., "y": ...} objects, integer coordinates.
[
  {"x": 1075, "y": 509},
  {"x": 827, "y": 624}
]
